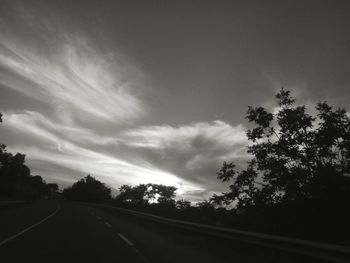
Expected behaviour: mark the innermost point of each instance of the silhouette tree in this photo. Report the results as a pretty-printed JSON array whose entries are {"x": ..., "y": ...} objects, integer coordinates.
[
  {"x": 296, "y": 157},
  {"x": 16, "y": 181},
  {"x": 164, "y": 193},
  {"x": 88, "y": 189},
  {"x": 144, "y": 194},
  {"x": 183, "y": 204},
  {"x": 136, "y": 195}
]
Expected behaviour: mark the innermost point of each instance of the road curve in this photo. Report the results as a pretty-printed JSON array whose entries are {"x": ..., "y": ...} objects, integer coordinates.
[{"x": 63, "y": 231}]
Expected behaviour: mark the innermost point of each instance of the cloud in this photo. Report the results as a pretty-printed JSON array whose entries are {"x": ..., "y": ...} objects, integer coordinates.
[
  {"x": 194, "y": 151},
  {"x": 31, "y": 122},
  {"x": 92, "y": 98},
  {"x": 76, "y": 77},
  {"x": 186, "y": 156},
  {"x": 90, "y": 91},
  {"x": 198, "y": 138},
  {"x": 62, "y": 152},
  {"x": 192, "y": 137}
]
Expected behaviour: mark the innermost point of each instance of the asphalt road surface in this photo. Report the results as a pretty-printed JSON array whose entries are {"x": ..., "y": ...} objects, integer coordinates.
[{"x": 64, "y": 231}]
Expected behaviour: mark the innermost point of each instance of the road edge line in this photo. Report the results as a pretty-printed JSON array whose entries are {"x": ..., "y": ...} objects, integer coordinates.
[{"x": 30, "y": 227}]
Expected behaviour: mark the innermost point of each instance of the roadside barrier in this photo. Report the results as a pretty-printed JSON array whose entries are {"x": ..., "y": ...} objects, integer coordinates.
[{"x": 324, "y": 251}]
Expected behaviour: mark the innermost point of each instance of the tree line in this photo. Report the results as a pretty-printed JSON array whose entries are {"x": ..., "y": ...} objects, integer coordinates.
[
  {"x": 16, "y": 181},
  {"x": 297, "y": 182},
  {"x": 152, "y": 198}
]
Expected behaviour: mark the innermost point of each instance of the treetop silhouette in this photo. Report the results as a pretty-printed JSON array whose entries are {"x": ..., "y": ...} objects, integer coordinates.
[
  {"x": 88, "y": 189},
  {"x": 296, "y": 156}
]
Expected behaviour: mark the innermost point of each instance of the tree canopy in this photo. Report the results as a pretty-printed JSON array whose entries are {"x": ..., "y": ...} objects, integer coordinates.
[
  {"x": 16, "y": 182},
  {"x": 296, "y": 156},
  {"x": 146, "y": 193},
  {"x": 88, "y": 189}
]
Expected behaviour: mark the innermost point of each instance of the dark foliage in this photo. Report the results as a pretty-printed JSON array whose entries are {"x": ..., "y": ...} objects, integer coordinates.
[
  {"x": 300, "y": 164},
  {"x": 150, "y": 196},
  {"x": 88, "y": 189},
  {"x": 159, "y": 199},
  {"x": 16, "y": 182}
]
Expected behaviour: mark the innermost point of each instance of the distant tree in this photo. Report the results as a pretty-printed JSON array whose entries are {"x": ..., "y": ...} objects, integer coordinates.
[
  {"x": 183, "y": 204},
  {"x": 165, "y": 193},
  {"x": 88, "y": 189},
  {"x": 134, "y": 195},
  {"x": 143, "y": 194},
  {"x": 296, "y": 157},
  {"x": 39, "y": 184}
]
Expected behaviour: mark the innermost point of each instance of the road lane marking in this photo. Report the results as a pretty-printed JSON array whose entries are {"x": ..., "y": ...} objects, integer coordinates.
[
  {"x": 127, "y": 241},
  {"x": 30, "y": 227},
  {"x": 108, "y": 224},
  {"x": 98, "y": 217}
]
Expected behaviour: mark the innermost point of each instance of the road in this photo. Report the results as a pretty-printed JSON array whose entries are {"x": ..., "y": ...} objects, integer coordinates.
[{"x": 64, "y": 231}]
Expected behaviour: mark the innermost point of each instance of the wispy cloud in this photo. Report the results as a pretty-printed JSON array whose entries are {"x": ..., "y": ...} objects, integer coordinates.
[
  {"x": 94, "y": 100},
  {"x": 62, "y": 152},
  {"x": 31, "y": 122},
  {"x": 217, "y": 133},
  {"x": 191, "y": 154},
  {"x": 85, "y": 85},
  {"x": 196, "y": 139},
  {"x": 75, "y": 78}
]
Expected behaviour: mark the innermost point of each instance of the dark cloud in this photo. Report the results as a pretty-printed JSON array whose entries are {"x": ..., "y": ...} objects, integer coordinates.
[{"x": 194, "y": 152}]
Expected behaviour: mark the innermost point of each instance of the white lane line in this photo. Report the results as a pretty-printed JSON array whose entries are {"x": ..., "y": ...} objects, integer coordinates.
[
  {"x": 30, "y": 227},
  {"x": 108, "y": 224},
  {"x": 98, "y": 217},
  {"x": 127, "y": 241}
]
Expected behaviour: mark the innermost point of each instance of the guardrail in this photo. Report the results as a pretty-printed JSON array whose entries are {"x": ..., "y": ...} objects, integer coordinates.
[{"x": 324, "y": 251}]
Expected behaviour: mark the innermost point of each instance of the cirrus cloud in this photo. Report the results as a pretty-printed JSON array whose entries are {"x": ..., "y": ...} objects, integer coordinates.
[
  {"x": 74, "y": 75},
  {"x": 94, "y": 101}
]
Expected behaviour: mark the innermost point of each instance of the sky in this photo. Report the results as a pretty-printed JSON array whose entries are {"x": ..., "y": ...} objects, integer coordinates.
[{"x": 157, "y": 91}]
